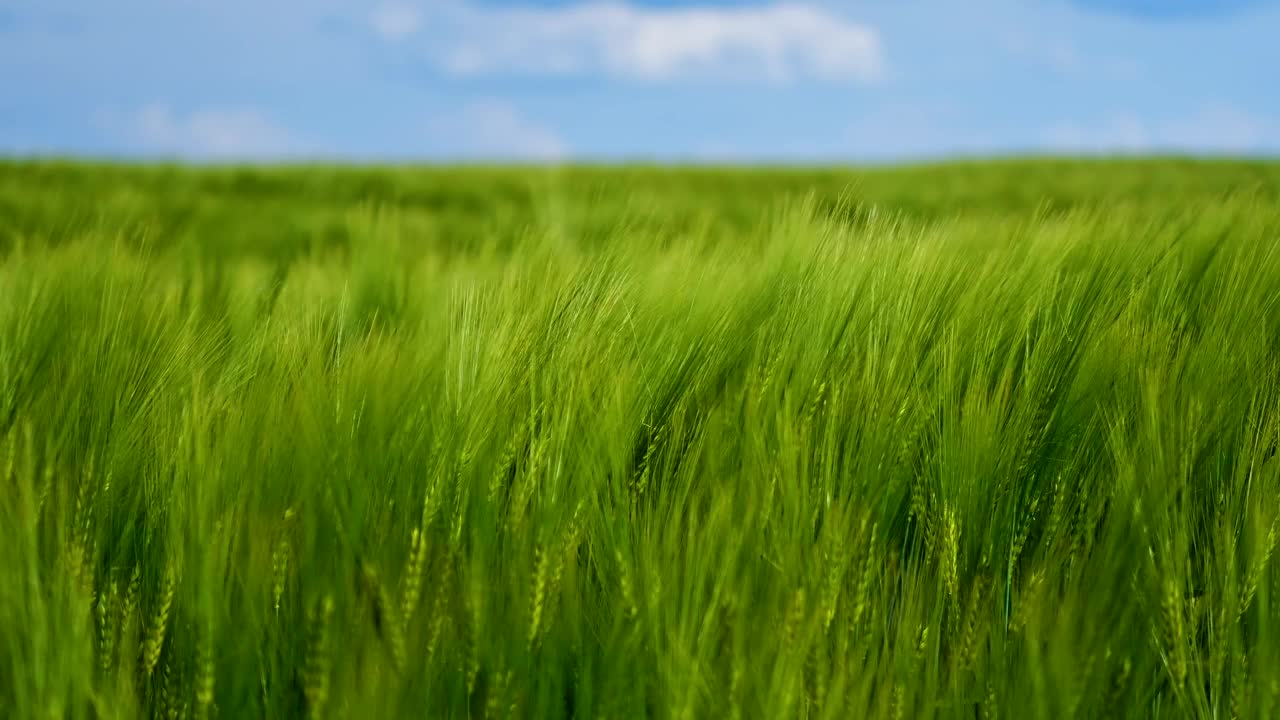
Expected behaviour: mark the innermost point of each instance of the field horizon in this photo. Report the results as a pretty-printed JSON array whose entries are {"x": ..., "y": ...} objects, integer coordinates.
[{"x": 972, "y": 438}]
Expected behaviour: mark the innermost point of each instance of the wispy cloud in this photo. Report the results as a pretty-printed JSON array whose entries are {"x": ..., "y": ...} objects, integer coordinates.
[
  {"x": 776, "y": 42},
  {"x": 910, "y": 130},
  {"x": 1222, "y": 127},
  {"x": 1214, "y": 128},
  {"x": 396, "y": 20},
  {"x": 1063, "y": 56},
  {"x": 1119, "y": 132},
  {"x": 1169, "y": 9},
  {"x": 211, "y": 133},
  {"x": 493, "y": 129},
  {"x": 895, "y": 131}
]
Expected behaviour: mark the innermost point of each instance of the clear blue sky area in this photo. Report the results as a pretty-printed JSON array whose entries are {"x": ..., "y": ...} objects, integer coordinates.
[{"x": 662, "y": 80}]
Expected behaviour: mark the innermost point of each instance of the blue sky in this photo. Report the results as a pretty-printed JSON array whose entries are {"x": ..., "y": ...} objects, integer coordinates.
[{"x": 663, "y": 80}]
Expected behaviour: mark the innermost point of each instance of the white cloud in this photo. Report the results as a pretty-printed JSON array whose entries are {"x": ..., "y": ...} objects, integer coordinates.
[
  {"x": 1214, "y": 128},
  {"x": 887, "y": 132},
  {"x": 1119, "y": 132},
  {"x": 1057, "y": 53},
  {"x": 213, "y": 133},
  {"x": 396, "y": 20},
  {"x": 777, "y": 42},
  {"x": 1064, "y": 56},
  {"x": 492, "y": 129},
  {"x": 1223, "y": 128},
  {"x": 909, "y": 130}
]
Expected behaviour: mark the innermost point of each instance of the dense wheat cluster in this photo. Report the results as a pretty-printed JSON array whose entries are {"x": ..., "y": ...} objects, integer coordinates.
[{"x": 974, "y": 440}]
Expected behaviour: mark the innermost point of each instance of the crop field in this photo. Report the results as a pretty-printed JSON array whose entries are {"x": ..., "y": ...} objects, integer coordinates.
[{"x": 968, "y": 440}]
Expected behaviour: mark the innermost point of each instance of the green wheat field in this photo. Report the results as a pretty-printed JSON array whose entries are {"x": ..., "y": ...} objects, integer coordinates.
[{"x": 967, "y": 440}]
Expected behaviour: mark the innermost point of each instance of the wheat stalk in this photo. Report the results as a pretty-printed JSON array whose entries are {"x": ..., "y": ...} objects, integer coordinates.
[
  {"x": 541, "y": 565},
  {"x": 950, "y": 549},
  {"x": 316, "y": 687},
  {"x": 1256, "y": 571},
  {"x": 279, "y": 572},
  {"x": 414, "y": 568},
  {"x": 968, "y": 647},
  {"x": 204, "y": 683},
  {"x": 385, "y": 617},
  {"x": 153, "y": 642},
  {"x": 106, "y": 630},
  {"x": 1173, "y": 630},
  {"x": 863, "y": 592}
]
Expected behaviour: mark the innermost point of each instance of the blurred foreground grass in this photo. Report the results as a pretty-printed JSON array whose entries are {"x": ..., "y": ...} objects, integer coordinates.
[{"x": 970, "y": 440}]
